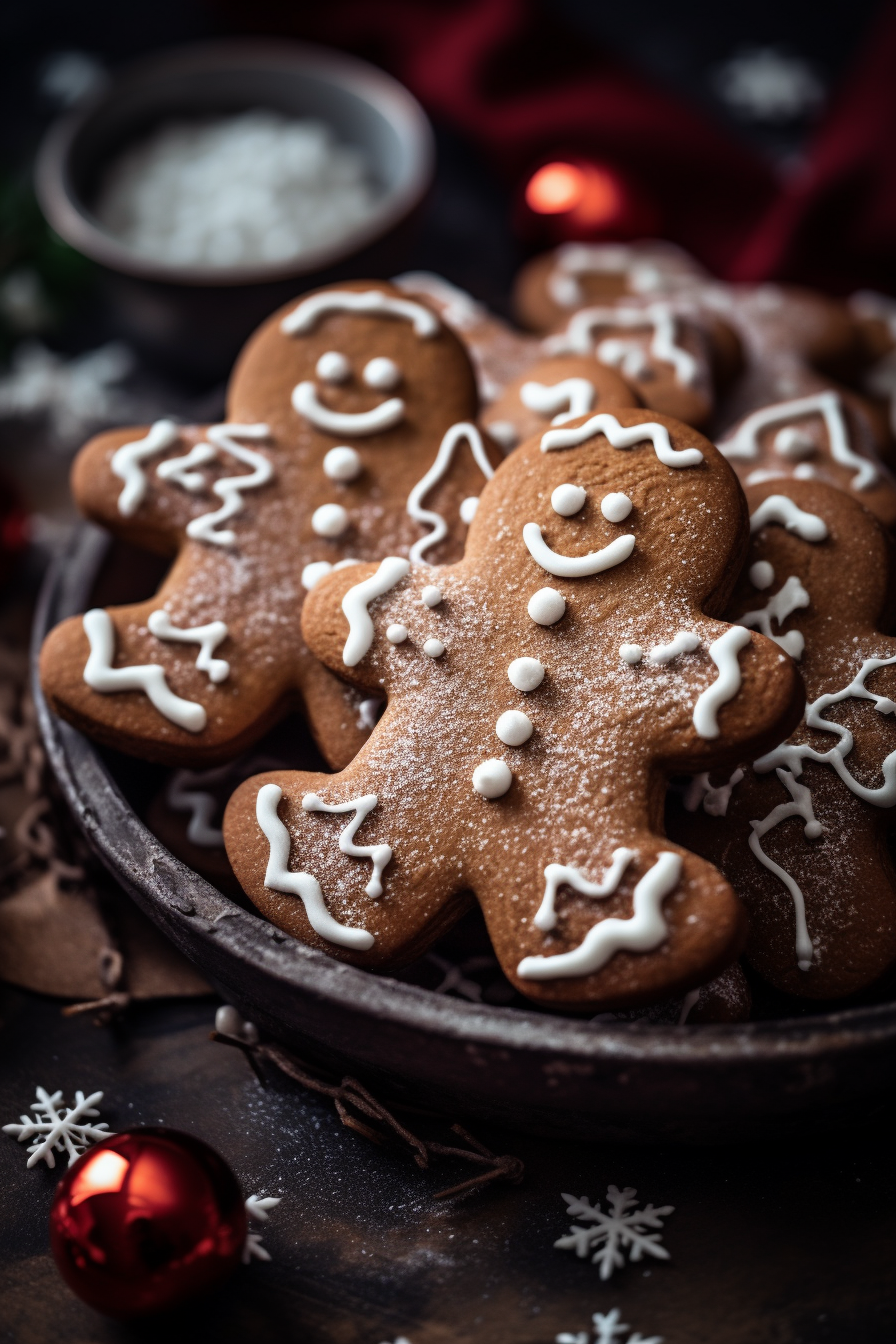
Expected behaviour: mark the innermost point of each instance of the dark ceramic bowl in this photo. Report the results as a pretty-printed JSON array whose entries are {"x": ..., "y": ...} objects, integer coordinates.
[
  {"x": 537, "y": 1071},
  {"x": 198, "y": 318}
]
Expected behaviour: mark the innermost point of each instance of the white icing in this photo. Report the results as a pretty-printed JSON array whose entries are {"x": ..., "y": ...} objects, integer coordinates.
[
  {"x": 644, "y": 931},
  {"x": 761, "y": 475},
  {"x": 459, "y": 308},
  {"x": 397, "y": 633},
  {"x": 568, "y": 499},
  {"x": 514, "y": 728},
  {"x": 631, "y": 653},
  {"x": 439, "y": 528},
  {"x": 329, "y": 520},
  {"x": 434, "y": 648},
  {"x": 229, "y": 489},
  {"x": 317, "y": 569},
  {"x": 208, "y": 637},
  {"x": 724, "y": 653},
  {"x": 382, "y": 373},
  {"x": 575, "y": 566},
  {"x": 715, "y": 800},
  {"x": 744, "y": 443},
  {"x": 101, "y": 676},
  {"x": 279, "y": 878},
  {"x": 308, "y": 313},
  {"x": 306, "y": 401},
  {"x": 575, "y": 259},
  {"x": 379, "y": 855},
  {"x": 126, "y": 460},
  {"x": 794, "y": 443},
  {"x": 659, "y": 317},
  {"x": 354, "y": 606},
  {"x": 762, "y": 575},
  {"x": 492, "y": 778},
  {"x": 558, "y": 873},
  {"x": 627, "y": 356},
  {"x": 780, "y": 509},
  {"x": 564, "y": 401},
  {"x": 783, "y": 604},
  {"x": 342, "y": 464},
  {"x": 468, "y": 508},
  {"x": 547, "y": 606},
  {"x": 431, "y": 595},
  {"x": 616, "y": 507},
  {"x": 504, "y": 433},
  {"x": 181, "y": 795},
  {"x": 684, "y": 642},
  {"x": 604, "y": 423},
  {"x": 369, "y": 712},
  {"x": 181, "y": 471},
  {"x": 526, "y": 674},
  {"x": 805, "y": 472},
  {"x": 800, "y": 806},
  {"x": 333, "y": 367}
]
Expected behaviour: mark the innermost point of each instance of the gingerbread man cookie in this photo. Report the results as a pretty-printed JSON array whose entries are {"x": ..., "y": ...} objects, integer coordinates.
[
  {"x": 553, "y": 392},
  {"x": 538, "y": 695},
  {"x": 331, "y": 455},
  {"x": 800, "y": 831}
]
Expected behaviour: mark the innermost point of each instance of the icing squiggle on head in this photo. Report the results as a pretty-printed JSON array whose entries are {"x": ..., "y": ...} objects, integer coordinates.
[
  {"x": 724, "y": 653},
  {"x": 373, "y": 302},
  {"x": 126, "y": 460},
  {"x": 278, "y": 877},
  {"x": 619, "y": 437},
  {"x": 780, "y": 509},
  {"x": 462, "y": 430},
  {"x": 150, "y": 678},
  {"x": 800, "y": 806},
  {"x": 556, "y": 874},
  {"x": 579, "y": 335},
  {"x": 354, "y": 606},
  {"x": 744, "y": 443},
  {"x": 575, "y": 394},
  {"x": 379, "y": 855},
  {"x": 208, "y": 637},
  {"x": 575, "y": 566}
]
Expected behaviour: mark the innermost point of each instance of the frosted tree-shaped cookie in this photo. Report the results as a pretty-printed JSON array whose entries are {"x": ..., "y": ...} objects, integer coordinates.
[
  {"x": 539, "y": 693},
  {"x": 348, "y": 437},
  {"x": 801, "y": 831}
]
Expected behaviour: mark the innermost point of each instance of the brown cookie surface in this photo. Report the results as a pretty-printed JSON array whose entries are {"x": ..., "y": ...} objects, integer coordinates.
[{"x": 554, "y": 391}]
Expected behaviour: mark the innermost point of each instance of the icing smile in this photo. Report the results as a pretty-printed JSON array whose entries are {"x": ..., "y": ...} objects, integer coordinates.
[
  {"x": 385, "y": 416},
  {"x": 575, "y": 566}
]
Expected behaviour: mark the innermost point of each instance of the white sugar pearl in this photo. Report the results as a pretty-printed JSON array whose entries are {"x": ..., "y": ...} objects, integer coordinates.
[
  {"x": 546, "y": 606},
  {"x": 805, "y": 472},
  {"x": 434, "y": 648},
  {"x": 762, "y": 574},
  {"x": 431, "y": 595},
  {"x": 313, "y": 573},
  {"x": 468, "y": 509},
  {"x": 504, "y": 433},
  {"x": 382, "y": 373},
  {"x": 330, "y": 520},
  {"x": 615, "y": 507},
  {"x": 794, "y": 443},
  {"x": 397, "y": 634},
  {"x": 333, "y": 367},
  {"x": 342, "y": 464},
  {"x": 514, "y": 728},
  {"x": 567, "y": 500},
  {"x": 492, "y": 778},
  {"x": 525, "y": 673},
  {"x": 631, "y": 653}
]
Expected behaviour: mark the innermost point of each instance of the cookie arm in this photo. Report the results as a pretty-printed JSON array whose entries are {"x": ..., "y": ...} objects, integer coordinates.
[{"x": 346, "y": 615}]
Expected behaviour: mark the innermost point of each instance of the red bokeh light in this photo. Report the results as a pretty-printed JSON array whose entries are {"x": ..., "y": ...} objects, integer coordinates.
[{"x": 586, "y": 194}]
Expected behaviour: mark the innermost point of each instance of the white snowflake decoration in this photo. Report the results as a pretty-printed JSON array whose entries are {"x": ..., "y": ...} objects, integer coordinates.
[
  {"x": 611, "y": 1233},
  {"x": 608, "y": 1329},
  {"x": 58, "y": 1128},
  {"x": 257, "y": 1207}
]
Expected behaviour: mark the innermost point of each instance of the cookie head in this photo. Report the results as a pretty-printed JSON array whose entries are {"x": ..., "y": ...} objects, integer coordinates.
[{"x": 554, "y": 391}]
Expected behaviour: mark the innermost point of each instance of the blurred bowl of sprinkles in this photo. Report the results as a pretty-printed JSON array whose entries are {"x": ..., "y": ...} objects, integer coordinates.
[{"x": 212, "y": 183}]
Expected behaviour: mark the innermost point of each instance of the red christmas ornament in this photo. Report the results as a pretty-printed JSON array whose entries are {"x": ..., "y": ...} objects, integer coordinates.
[{"x": 146, "y": 1219}]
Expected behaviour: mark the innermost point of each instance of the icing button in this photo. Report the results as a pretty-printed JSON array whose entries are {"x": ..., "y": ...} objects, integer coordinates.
[
  {"x": 342, "y": 464},
  {"x": 434, "y": 648},
  {"x": 397, "y": 634},
  {"x": 631, "y": 653},
  {"x": 329, "y": 520},
  {"x": 547, "y": 606},
  {"x": 468, "y": 509},
  {"x": 514, "y": 728},
  {"x": 492, "y": 778},
  {"x": 431, "y": 595},
  {"x": 525, "y": 673}
]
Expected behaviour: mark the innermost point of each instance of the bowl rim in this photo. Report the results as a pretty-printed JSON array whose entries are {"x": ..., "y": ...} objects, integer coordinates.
[
  {"x": 240, "y": 933},
  {"x": 73, "y": 220}
]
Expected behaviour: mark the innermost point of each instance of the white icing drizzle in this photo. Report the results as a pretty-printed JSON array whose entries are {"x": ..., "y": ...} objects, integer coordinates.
[
  {"x": 604, "y": 423},
  {"x": 379, "y": 855},
  {"x": 575, "y": 566},
  {"x": 462, "y": 430},
  {"x": 279, "y": 878},
  {"x": 564, "y": 400},
  {"x": 783, "y": 604},
  {"x": 354, "y": 606},
  {"x": 313, "y": 572},
  {"x": 182, "y": 796},
  {"x": 329, "y": 520},
  {"x": 208, "y": 637},
  {"x": 715, "y": 800},
  {"x": 575, "y": 259},
  {"x": 504, "y": 433},
  {"x": 627, "y": 356},
  {"x": 684, "y": 642},
  {"x": 800, "y": 806},
  {"x": 794, "y": 443},
  {"x": 579, "y": 335},
  {"x": 308, "y": 313},
  {"x": 558, "y": 873},
  {"x": 101, "y": 676},
  {"x": 180, "y": 470},
  {"x": 780, "y": 509},
  {"x": 644, "y": 931},
  {"x": 459, "y": 308},
  {"x": 305, "y": 400},
  {"x": 724, "y": 653},
  {"x": 744, "y": 443},
  {"x": 229, "y": 489},
  {"x": 126, "y": 460},
  {"x": 791, "y": 755}
]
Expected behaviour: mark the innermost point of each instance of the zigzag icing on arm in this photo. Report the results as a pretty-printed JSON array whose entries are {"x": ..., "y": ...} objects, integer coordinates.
[
  {"x": 230, "y": 488},
  {"x": 619, "y": 437},
  {"x": 744, "y": 443},
  {"x": 575, "y": 394},
  {"x": 385, "y": 416},
  {"x": 557, "y": 873},
  {"x": 354, "y": 606},
  {"x": 208, "y": 637},
  {"x": 643, "y": 932},
  {"x": 800, "y": 806},
  {"x": 379, "y": 855},
  {"x": 278, "y": 877},
  {"x": 724, "y": 653},
  {"x": 308, "y": 313},
  {"x": 101, "y": 676},
  {"x": 575, "y": 566},
  {"x": 462, "y": 430},
  {"x": 784, "y": 603},
  {"x": 126, "y": 460},
  {"x": 780, "y": 509},
  {"x": 180, "y": 469}
]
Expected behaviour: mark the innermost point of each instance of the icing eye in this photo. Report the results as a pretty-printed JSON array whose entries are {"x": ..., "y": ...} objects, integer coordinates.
[
  {"x": 330, "y": 520},
  {"x": 567, "y": 500},
  {"x": 382, "y": 373},
  {"x": 547, "y": 606},
  {"x": 762, "y": 574},
  {"x": 333, "y": 367},
  {"x": 514, "y": 728},
  {"x": 615, "y": 507},
  {"x": 468, "y": 509},
  {"x": 342, "y": 464},
  {"x": 794, "y": 443},
  {"x": 525, "y": 673}
]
